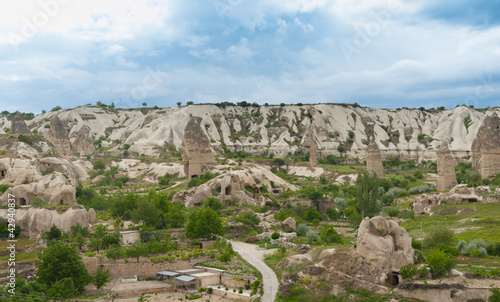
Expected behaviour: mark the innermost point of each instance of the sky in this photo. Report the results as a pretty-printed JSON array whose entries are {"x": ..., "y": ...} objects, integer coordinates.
[{"x": 377, "y": 53}]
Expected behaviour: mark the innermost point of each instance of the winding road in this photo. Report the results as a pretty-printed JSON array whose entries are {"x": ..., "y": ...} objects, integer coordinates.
[{"x": 254, "y": 256}]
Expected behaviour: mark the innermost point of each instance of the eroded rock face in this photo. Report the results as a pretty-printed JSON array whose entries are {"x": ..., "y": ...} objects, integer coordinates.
[
  {"x": 18, "y": 126},
  {"x": 374, "y": 160},
  {"x": 384, "y": 243},
  {"x": 422, "y": 204},
  {"x": 35, "y": 220},
  {"x": 310, "y": 143},
  {"x": 196, "y": 149},
  {"x": 83, "y": 143},
  {"x": 446, "y": 169},
  {"x": 486, "y": 147},
  {"x": 53, "y": 189},
  {"x": 58, "y": 136}
]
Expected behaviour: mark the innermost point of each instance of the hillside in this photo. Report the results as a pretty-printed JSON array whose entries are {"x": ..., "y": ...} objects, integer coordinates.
[{"x": 262, "y": 130}]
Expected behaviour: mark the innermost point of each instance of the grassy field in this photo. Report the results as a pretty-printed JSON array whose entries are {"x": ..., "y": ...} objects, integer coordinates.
[{"x": 469, "y": 221}]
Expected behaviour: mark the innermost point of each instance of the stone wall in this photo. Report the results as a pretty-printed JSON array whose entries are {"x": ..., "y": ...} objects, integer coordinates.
[{"x": 120, "y": 268}]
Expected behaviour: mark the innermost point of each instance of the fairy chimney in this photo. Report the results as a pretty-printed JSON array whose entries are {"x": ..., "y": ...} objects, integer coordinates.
[
  {"x": 196, "y": 149},
  {"x": 374, "y": 160},
  {"x": 310, "y": 143},
  {"x": 18, "y": 126},
  {"x": 446, "y": 169},
  {"x": 83, "y": 143},
  {"x": 58, "y": 136},
  {"x": 486, "y": 147}
]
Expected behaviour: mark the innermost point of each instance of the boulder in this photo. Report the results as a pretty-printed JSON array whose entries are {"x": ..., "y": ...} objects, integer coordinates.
[
  {"x": 384, "y": 243},
  {"x": 270, "y": 218},
  {"x": 303, "y": 248},
  {"x": 251, "y": 239},
  {"x": 289, "y": 224},
  {"x": 264, "y": 235},
  {"x": 92, "y": 215},
  {"x": 202, "y": 192}
]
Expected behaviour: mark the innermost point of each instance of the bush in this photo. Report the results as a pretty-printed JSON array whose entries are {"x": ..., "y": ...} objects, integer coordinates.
[
  {"x": 302, "y": 229},
  {"x": 475, "y": 248},
  {"x": 330, "y": 236},
  {"x": 209, "y": 290},
  {"x": 392, "y": 211},
  {"x": 421, "y": 189},
  {"x": 410, "y": 271},
  {"x": 312, "y": 214},
  {"x": 275, "y": 236},
  {"x": 495, "y": 297},
  {"x": 439, "y": 262},
  {"x": 332, "y": 213},
  {"x": 440, "y": 235},
  {"x": 493, "y": 249},
  {"x": 312, "y": 237}
]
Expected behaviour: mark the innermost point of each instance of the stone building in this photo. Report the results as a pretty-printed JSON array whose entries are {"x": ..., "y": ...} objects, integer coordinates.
[
  {"x": 446, "y": 169},
  {"x": 486, "y": 147},
  {"x": 83, "y": 143},
  {"x": 127, "y": 238},
  {"x": 58, "y": 136},
  {"x": 196, "y": 149},
  {"x": 18, "y": 126},
  {"x": 374, "y": 160}
]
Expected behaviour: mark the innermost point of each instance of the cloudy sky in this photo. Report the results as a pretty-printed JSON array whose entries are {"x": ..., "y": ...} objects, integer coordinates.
[{"x": 378, "y": 53}]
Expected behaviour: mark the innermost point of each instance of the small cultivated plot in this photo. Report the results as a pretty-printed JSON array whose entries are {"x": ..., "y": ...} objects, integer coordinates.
[{"x": 26, "y": 249}]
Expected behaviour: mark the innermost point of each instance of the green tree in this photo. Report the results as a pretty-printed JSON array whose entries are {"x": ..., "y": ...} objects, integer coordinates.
[
  {"x": 56, "y": 108},
  {"x": 179, "y": 104},
  {"x": 203, "y": 223},
  {"x": 330, "y": 236},
  {"x": 101, "y": 277},
  {"x": 175, "y": 216},
  {"x": 249, "y": 218},
  {"x": 312, "y": 214},
  {"x": 367, "y": 194},
  {"x": 64, "y": 288},
  {"x": 439, "y": 262},
  {"x": 54, "y": 233},
  {"x": 495, "y": 296},
  {"x": 114, "y": 253},
  {"x": 189, "y": 103},
  {"x": 60, "y": 261},
  {"x": 214, "y": 203},
  {"x": 80, "y": 241},
  {"x": 147, "y": 212},
  {"x": 137, "y": 250},
  {"x": 144, "y": 104},
  {"x": 100, "y": 164}
]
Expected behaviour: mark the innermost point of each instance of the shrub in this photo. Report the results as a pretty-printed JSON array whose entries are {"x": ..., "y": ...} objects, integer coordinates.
[
  {"x": 209, "y": 290},
  {"x": 439, "y": 262},
  {"x": 410, "y": 271},
  {"x": 421, "y": 189},
  {"x": 495, "y": 297},
  {"x": 475, "y": 248},
  {"x": 312, "y": 237},
  {"x": 332, "y": 213},
  {"x": 392, "y": 211},
  {"x": 302, "y": 229},
  {"x": 330, "y": 236},
  {"x": 275, "y": 235},
  {"x": 312, "y": 214},
  {"x": 440, "y": 235}
]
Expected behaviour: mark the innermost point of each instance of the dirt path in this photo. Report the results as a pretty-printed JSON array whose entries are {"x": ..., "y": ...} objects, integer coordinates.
[{"x": 254, "y": 256}]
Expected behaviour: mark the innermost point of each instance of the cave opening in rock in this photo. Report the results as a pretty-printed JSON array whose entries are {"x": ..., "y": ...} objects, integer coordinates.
[
  {"x": 22, "y": 201},
  {"x": 228, "y": 190},
  {"x": 393, "y": 278},
  {"x": 2, "y": 173}
]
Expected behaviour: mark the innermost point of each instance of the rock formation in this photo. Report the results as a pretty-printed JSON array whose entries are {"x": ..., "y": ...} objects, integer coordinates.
[
  {"x": 446, "y": 169},
  {"x": 18, "y": 126},
  {"x": 486, "y": 147},
  {"x": 196, "y": 149},
  {"x": 374, "y": 160},
  {"x": 58, "y": 136},
  {"x": 83, "y": 143},
  {"x": 53, "y": 189},
  {"x": 35, "y": 220},
  {"x": 289, "y": 224},
  {"x": 310, "y": 143},
  {"x": 384, "y": 243}
]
